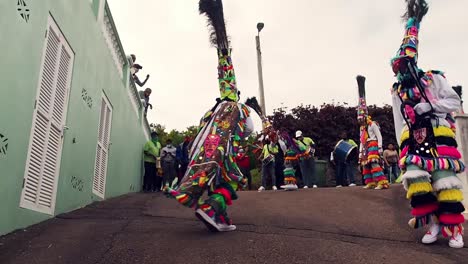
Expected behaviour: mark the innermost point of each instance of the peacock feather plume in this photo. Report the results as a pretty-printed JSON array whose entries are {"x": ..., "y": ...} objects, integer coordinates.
[
  {"x": 416, "y": 9},
  {"x": 213, "y": 10},
  {"x": 253, "y": 103},
  {"x": 361, "y": 86}
]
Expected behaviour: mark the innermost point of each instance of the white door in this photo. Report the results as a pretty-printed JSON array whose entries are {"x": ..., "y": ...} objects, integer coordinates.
[
  {"x": 45, "y": 146},
  {"x": 102, "y": 149}
]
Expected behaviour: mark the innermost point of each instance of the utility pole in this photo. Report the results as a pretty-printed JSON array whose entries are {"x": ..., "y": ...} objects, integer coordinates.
[{"x": 260, "y": 26}]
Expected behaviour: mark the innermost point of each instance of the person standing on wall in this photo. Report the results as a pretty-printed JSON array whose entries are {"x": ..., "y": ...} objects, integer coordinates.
[
  {"x": 151, "y": 152},
  {"x": 168, "y": 160},
  {"x": 145, "y": 97},
  {"x": 306, "y": 159},
  {"x": 134, "y": 70}
]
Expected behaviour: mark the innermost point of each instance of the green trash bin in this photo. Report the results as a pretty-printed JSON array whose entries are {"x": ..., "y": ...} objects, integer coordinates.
[{"x": 321, "y": 172}]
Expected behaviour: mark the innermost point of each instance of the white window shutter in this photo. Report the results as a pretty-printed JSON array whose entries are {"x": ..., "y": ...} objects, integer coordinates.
[
  {"x": 43, "y": 163},
  {"x": 102, "y": 149}
]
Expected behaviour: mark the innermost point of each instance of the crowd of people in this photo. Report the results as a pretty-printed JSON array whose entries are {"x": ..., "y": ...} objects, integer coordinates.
[{"x": 164, "y": 166}]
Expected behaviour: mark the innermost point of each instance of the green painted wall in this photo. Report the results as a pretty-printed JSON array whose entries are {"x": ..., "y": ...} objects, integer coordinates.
[{"x": 21, "y": 44}]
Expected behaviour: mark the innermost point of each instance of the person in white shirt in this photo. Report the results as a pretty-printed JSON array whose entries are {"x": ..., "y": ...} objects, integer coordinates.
[{"x": 429, "y": 159}]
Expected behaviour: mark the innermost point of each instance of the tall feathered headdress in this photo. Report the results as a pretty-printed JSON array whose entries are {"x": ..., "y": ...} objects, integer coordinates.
[
  {"x": 253, "y": 103},
  {"x": 362, "y": 111},
  {"x": 416, "y": 10},
  {"x": 213, "y": 10}
]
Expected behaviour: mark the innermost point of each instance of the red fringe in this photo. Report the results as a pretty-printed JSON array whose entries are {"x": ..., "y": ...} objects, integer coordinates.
[
  {"x": 451, "y": 219},
  {"x": 424, "y": 209},
  {"x": 369, "y": 180},
  {"x": 452, "y": 152}
]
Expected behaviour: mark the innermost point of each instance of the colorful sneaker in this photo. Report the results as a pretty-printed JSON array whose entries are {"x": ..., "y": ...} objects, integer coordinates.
[
  {"x": 212, "y": 224},
  {"x": 226, "y": 227},
  {"x": 432, "y": 234},
  {"x": 207, "y": 220},
  {"x": 456, "y": 241}
]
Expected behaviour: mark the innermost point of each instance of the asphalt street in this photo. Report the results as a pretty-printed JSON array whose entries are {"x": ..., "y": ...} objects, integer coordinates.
[{"x": 325, "y": 225}]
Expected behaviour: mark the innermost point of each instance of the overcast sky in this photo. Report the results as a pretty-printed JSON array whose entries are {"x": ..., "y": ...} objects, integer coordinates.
[{"x": 312, "y": 50}]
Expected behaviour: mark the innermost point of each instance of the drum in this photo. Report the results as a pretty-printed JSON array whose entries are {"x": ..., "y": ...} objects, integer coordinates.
[
  {"x": 344, "y": 151},
  {"x": 269, "y": 159}
]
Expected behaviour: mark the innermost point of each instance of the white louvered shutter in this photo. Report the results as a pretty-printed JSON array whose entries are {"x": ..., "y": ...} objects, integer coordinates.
[
  {"x": 43, "y": 163},
  {"x": 102, "y": 149}
]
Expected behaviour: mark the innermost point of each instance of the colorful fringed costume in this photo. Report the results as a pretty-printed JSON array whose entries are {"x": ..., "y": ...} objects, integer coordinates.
[
  {"x": 291, "y": 159},
  {"x": 370, "y": 148},
  {"x": 212, "y": 167},
  {"x": 422, "y": 106}
]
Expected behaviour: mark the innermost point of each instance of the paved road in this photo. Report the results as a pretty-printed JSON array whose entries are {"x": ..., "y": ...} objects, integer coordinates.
[{"x": 348, "y": 225}]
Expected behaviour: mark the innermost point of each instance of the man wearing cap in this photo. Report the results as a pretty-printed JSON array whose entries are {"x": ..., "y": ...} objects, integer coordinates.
[
  {"x": 134, "y": 70},
  {"x": 306, "y": 159},
  {"x": 145, "y": 97},
  {"x": 151, "y": 153},
  {"x": 270, "y": 149}
]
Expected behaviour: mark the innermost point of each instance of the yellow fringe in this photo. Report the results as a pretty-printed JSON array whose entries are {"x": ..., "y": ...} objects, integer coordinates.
[
  {"x": 418, "y": 187},
  {"x": 404, "y": 136},
  {"x": 440, "y": 131},
  {"x": 453, "y": 195},
  {"x": 383, "y": 182},
  {"x": 443, "y": 131},
  {"x": 371, "y": 157}
]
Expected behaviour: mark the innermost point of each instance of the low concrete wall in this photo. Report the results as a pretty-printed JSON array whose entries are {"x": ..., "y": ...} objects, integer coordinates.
[{"x": 462, "y": 139}]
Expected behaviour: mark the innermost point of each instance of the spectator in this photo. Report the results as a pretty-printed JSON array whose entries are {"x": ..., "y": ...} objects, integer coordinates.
[
  {"x": 133, "y": 58},
  {"x": 168, "y": 160},
  {"x": 243, "y": 161},
  {"x": 134, "y": 70},
  {"x": 145, "y": 97},
  {"x": 268, "y": 164},
  {"x": 306, "y": 159},
  {"x": 344, "y": 168},
  {"x": 279, "y": 166},
  {"x": 182, "y": 155},
  {"x": 151, "y": 153},
  {"x": 390, "y": 156}
]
